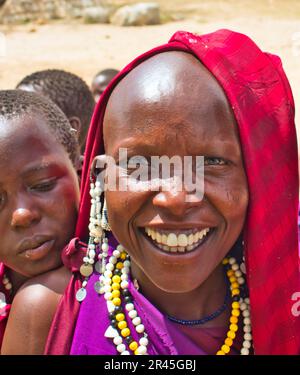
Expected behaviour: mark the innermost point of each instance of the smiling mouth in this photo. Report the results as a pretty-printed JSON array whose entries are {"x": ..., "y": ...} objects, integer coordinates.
[{"x": 179, "y": 241}]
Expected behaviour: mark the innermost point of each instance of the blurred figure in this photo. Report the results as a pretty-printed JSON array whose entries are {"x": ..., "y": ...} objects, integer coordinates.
[
  {"x": 69, "y": 92},
  {"x": 101, "y": 81}
]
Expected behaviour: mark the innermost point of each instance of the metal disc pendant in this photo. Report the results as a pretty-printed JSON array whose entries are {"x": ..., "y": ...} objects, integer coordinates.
[
  {"x": 86, "y": 270},
  {"x": 97, "y": 287},
  {"x": 81, "y": 294},
  {"x": 98, "y": 266}
]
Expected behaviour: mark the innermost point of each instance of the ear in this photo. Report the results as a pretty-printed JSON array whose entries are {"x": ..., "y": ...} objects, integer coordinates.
[{"x": 76, "y": 124}]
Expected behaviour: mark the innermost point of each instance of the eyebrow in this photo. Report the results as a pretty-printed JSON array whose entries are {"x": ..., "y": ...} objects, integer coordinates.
[{"x": 38, "y": 168}]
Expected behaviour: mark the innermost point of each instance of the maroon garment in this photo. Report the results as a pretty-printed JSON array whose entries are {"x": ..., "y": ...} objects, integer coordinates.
[
  {"x": 4, "y": 311},
  {"x": 261, "y": 99}
]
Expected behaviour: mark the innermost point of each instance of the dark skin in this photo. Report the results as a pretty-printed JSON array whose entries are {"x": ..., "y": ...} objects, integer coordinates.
[
  {"x": 75, "y": 121},
  {"x": 165, "y": 114},
  {"x": 171, "y": 105},
  {"x": 39, "y": 197},
  {"x": 99, "y": 84}
]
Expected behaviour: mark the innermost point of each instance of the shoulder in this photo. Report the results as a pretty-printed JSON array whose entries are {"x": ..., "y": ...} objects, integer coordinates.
[{"x": 32, "y": 313}]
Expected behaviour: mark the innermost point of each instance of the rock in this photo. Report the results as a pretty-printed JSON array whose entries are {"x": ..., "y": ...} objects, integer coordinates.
[
  {"x": 137, "y": 15},
  {"x": 96, "y": 15}
]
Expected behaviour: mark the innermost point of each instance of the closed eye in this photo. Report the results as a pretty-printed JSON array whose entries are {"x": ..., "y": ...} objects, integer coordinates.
[{"x": 44, "y": 185}]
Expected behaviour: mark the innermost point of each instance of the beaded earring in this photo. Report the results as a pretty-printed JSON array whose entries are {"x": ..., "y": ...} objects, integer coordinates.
[{"x": 96, "y": 236}]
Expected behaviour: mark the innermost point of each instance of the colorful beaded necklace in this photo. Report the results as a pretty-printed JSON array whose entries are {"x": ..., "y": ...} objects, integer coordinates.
[{"x": 114, "y": 285}]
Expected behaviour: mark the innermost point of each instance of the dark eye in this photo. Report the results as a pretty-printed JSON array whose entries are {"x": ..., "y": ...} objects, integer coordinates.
[
  {"x": 214, "y": 161},
  {"x": 44, "y": 185}
]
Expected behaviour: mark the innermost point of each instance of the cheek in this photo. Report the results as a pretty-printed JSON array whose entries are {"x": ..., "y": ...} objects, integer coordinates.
[
  {"x": 63, "y": 203},
  {"x": 230, "y": 197},
  {"x": 122, "y": 209}
]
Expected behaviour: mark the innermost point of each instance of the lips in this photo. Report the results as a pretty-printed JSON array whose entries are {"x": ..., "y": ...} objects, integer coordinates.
[
  {"x": 36, "y": 247},
  {"x": 177, "y": 241}
]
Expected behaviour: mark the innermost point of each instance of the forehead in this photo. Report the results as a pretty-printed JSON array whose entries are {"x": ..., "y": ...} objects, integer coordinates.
[
  {"x": 26, "y": 137},
  {"x": 172, "y": 89}
]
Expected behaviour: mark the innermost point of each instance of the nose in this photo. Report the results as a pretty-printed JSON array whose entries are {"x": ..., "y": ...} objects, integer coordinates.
[
  {"x": 24, "y": 216},
  {"x": 176, "y": 203}
]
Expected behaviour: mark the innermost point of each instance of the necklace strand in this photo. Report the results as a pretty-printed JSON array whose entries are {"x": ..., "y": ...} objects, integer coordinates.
[
  {"x": 114, "y": 285},
  {"x": 205, "y": 319}
]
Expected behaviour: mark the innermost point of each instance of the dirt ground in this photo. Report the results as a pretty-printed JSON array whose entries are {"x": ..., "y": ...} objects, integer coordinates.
[{"x": 85, "y": 49}]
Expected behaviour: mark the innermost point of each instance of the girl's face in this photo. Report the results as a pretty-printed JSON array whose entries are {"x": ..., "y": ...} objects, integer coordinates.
[
  {"x": 171, "y": 105},
  {"x": 39, "y": 196}
]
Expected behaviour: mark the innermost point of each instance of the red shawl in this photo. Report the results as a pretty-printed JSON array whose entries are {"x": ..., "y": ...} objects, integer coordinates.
[
  {"x": 261, "y": 99},
  {"x": 4, "y": 310}
]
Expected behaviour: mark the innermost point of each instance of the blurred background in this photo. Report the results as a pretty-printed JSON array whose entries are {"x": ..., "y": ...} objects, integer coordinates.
[{"x": 86, "y": 36}]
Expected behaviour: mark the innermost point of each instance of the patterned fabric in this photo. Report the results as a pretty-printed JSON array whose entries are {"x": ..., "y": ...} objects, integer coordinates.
[{"x": 262, "y": 102}]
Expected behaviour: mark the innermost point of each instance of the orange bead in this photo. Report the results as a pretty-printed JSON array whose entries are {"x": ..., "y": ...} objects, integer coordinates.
[
  {"x": 133, "y": 346},
  {"x": 230, "y": 273},
  {"x": 233, "y": 327},
  {"x": 225, "y": 261},
  {"x": 115, "y": 293},
  {"x": 235, "y": 305},
  {"x": 235, "y": 292},
  {"x": 231, "y": 335},
  {"x": 235, "y": 312},
  {"x": 120, "y": 317},
  {"x": 228, "y": 341},
  {"x": 115, "y": 286},
  {"x": 119, "y": 265},
  {"x": 235, "y": 285},
  {"x": 225, "y": 349},
  {"x": 232, "y": 279},
  {"x": 116, "y": 279},
  {"x": 116, "y": 301},
  {"x": 125, "y": 332},
  {"x": 122, "y": 325},
  {"x": 123, "y": 256},
  {"x": 220, "y": 352},
  {"x": 233, "y": 320}
]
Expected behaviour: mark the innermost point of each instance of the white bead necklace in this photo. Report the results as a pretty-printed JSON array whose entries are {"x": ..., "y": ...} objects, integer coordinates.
[{"x": 112, "y": 284}]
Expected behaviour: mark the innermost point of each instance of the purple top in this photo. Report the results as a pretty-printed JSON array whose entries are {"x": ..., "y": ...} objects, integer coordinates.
[{"x": 165, "y": 337}]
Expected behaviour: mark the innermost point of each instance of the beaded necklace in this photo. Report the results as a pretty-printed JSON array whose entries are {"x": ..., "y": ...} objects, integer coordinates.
[
  {"x": 114, "y": 285},
  {"x": 8, "y": 287}
]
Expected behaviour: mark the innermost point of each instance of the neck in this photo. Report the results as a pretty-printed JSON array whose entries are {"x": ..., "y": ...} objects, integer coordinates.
[
  {"x": 16, "y": 279},
  {"x": 193, "y": 305}
]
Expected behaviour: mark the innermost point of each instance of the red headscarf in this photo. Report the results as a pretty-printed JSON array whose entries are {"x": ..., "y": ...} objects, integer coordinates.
[{"x": 260, "y": 96}]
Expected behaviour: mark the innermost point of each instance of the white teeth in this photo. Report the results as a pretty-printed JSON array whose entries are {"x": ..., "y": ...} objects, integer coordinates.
[
  {"x": 182, "y": 240},
  {"x": 177, "y": 243},
  {"x": 172, "y": 240},
  {"x": 164, "y": 239},
  {"x": 158, "y": 237}
]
